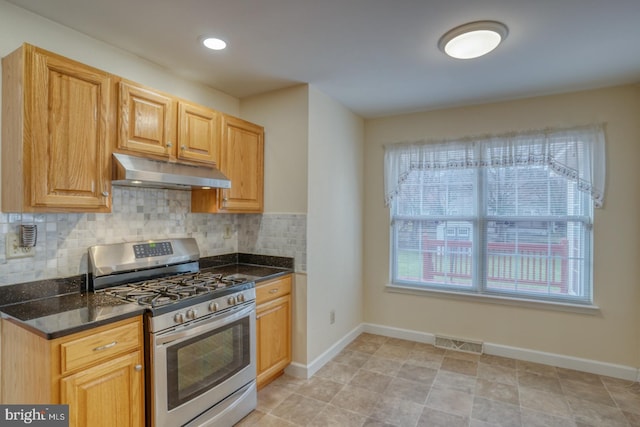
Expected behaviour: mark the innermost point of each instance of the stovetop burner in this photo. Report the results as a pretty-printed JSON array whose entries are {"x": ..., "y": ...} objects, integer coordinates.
[
  {"x": 164, "y": 277},
  {"x": 163, "y": 291}
]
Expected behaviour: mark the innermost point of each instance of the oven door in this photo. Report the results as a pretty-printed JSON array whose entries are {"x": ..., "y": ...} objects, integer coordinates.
[{"x": 197, "y": 366}]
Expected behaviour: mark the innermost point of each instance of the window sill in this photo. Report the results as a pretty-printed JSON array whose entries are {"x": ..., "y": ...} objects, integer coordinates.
[{"x": 493, "y": 299}]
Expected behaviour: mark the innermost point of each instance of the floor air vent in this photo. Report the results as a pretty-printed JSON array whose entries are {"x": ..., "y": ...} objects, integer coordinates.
[{"x": 458, "y": 344}]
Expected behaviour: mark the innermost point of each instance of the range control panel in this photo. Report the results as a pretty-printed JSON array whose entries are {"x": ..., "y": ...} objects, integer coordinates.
[{"x": 152, "y": 249}]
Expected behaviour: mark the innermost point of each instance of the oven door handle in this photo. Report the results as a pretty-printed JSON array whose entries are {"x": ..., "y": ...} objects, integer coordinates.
[{"x": 209, "y": 324}]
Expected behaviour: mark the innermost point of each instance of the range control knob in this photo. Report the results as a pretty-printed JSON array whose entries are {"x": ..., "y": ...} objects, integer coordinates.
[
  {"x": 192, "y": 313},
  {"x": 231, "y": 301},
  {"x": 240, "y": 298},
  {"x": 214, "y": 306},
  {"x": 179, "y": 318}
]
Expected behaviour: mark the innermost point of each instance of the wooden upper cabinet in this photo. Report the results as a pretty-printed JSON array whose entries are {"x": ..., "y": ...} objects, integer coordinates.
[
  {"x": 56, "y": 134},
  {"x": 242, "y": 161},
  {"x": 155, "y": 124},
  {"x": 146, "y": 121},
  {"x": 198, "y": 133},
  {"x": 62, "y": 120}
]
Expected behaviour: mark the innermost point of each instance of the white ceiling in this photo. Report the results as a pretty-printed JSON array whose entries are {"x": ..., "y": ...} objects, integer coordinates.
[{"x": 377, "y": 57}]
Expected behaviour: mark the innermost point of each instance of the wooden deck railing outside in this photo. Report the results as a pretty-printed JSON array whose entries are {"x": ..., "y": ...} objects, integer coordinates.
[{"x": 507, "y": 263}]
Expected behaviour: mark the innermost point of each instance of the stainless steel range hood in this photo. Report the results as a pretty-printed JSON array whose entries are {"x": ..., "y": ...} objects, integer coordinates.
[{"x": 140, "y": 172}]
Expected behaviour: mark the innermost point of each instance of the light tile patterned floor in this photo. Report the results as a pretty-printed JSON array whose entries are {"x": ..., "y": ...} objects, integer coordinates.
[{"x": 379, "y": 381}]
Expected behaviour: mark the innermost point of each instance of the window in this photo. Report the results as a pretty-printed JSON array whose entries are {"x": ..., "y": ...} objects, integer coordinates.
[{"x": 507, "y": 215}]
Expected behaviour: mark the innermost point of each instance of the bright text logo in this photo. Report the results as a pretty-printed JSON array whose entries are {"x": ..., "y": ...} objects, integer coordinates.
[{"x": 37, "y": 415}]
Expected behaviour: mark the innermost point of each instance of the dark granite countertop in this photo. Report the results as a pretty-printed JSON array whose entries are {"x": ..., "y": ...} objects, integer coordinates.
[
  {"x": 59, "y": 307},
  {"x": 228, "y": 260},
  {"x": 66, "y": 314},
  {"x": 21, "y": 292},
  {"x": 261, "y": 267},
  {"x": 257, "y": 273}
]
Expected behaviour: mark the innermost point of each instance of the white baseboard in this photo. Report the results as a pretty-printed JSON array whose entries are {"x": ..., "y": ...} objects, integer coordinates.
[
  {"x": 562, "y": 361},
  {"x": 404, "y": 334},
  {"x": 297, "y": 370},
  {"x": 559, "y": 360},
  {"x": 306, "y": 371}
]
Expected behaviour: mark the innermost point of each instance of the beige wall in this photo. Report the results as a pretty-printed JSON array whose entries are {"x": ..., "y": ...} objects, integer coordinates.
[
  {"x": 314, "y": 165},
  {"x": 334, "y": 222},
  {"x": 18, "y": 26},
  {"x": 613, "y": 333},
  {"x": 285, "y": 117}
]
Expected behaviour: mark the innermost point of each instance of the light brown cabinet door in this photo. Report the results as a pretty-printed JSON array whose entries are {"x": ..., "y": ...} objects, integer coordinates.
[
  {"x": 146, "y": 121},
  {"x": 109, "y": 394},
  {"x": 242, "y": 160},
  {"x": 273, "y": 330},
  {"x": 61, "y": 148},
  {"x": 198, "y": 133}
]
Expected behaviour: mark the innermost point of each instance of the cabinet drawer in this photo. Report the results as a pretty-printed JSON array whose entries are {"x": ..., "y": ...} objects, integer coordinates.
[
  {"x": 87, "y": 350},
  {"x": 273, "y": 289}
]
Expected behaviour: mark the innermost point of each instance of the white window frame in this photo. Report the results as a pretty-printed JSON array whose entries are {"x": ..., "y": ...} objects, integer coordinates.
[
  {"x": 578, "y": 154},
  {"x": 479, "y": 280}
]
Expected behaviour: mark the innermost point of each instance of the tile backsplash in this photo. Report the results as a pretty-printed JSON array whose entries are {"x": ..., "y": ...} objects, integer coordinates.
[
  {"x": 141, "y": 214},
  {"x": 276, "y": 235}
]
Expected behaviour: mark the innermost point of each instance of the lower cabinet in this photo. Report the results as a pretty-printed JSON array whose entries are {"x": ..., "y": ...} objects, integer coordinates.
[
  {"x": 98, "y": 373},
  {"x": 273, "y": 328},
  {"x": 109, "y": 394}
]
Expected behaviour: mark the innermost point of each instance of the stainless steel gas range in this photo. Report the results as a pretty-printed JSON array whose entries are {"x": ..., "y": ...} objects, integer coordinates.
[{"x": 201, "y": 334}]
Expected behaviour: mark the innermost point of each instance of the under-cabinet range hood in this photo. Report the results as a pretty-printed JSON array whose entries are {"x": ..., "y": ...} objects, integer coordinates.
[{"x": 140, "y": 172}]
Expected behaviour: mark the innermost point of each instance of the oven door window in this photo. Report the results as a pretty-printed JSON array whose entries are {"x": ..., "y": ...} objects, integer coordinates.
[{"x": 197, "y": 365}]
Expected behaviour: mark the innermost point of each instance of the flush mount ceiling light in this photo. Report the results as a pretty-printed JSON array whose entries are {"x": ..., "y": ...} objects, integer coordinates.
[
  {"x": 473, "y": 39},
  {"x": 214, "y": 43}
]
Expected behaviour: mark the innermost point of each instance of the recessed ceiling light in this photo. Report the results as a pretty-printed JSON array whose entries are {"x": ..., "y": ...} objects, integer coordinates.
[
  {"x": 473, "y": 39},
  {"x": 214, "y": 43}
]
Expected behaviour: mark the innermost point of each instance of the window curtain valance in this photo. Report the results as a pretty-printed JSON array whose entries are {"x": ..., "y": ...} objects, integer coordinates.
[{"x": 576, "y": 153}]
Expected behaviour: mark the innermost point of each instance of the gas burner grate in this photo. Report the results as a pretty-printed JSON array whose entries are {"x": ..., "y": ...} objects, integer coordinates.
[
  {"x": 160, "y": 299},
  {"x": 163, "y": 291}
]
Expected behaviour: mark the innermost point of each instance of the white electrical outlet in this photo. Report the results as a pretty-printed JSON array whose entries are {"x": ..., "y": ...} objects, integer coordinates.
[
  {"x": 228, "y": 231},
  {"x": 14, "y": 250},
  {"x": 332, "y": 317}
]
